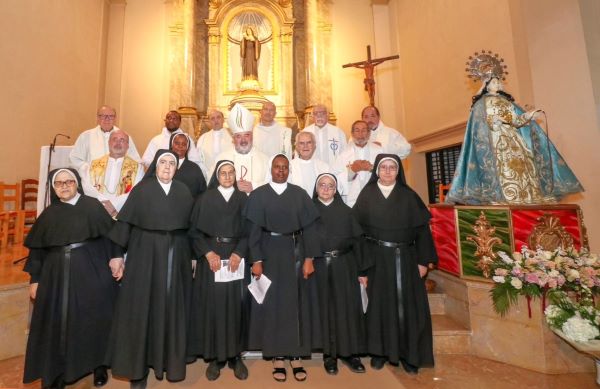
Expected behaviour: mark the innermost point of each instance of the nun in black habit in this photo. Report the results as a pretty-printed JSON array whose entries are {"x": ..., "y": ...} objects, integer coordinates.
[
  {"x": 337, "y": 269},
  {"x": 188, "y": 172},
  {"x": 282, "y": 244},
  {"x": 71, "y": 285},
  {"x": 218, "y": 233},
  {"x": 397, "y": 237},
  {"x": 152, "y": 313}
]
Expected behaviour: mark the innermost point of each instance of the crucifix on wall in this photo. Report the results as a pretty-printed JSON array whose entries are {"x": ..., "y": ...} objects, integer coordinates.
[{"x": 369, "y": 66}]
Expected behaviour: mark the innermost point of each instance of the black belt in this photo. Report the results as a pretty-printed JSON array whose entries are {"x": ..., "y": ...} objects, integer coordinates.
[
  {"x": 65, "y": 297},
  {"x": 336, "y": 253},
  {"x": 399, "y": 284},
  {"x": 221, "y": 239},
  {"x": 292, "y": 234},
  {"x": 388, "y": 244}
]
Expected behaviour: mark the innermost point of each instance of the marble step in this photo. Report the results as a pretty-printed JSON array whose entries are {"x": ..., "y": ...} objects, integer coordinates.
[
  {"x": 449, "y": 336},
  {"x": 437, "y": 303}
]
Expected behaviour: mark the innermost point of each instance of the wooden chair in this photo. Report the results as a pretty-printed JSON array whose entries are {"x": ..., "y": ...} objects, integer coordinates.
[
  {"x": 29, "y": 192},
  {"x": 10, "y": 206},
  {"x": 3, "y": 229},
  {"x": 442, "y": 190}
]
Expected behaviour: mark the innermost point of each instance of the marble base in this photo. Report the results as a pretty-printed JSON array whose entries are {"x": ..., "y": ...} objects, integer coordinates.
[
  {"x": 14, "y": 319},
  {"x": 514, "y": 339}
]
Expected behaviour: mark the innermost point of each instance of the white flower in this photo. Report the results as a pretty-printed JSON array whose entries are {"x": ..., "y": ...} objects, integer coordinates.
[
  {"x": 498, "y": 279},
  {"x": 572, "y": 275},
  {"x": 579, "y": 329},
  {"x": 505, "y": 258},
  {"x": 516, "y": 283},
  {"x": 552, "y": 311}
]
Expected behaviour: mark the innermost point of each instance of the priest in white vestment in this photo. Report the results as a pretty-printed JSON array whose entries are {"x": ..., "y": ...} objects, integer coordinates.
[
  {"x": 251, "y": 165},
  {"x": 111, "y": 177},
  {"x": 93, "y": 143},
  {"x": 271, "y": 137},
  {"x": 212, "y": 143},
  {"x": 356, "y": 162},
  {"x": 305, "y": 168},
  {"x": 161, "y": 141},
  {"x": 390, "y": 139},
  {"x": 331, "y": 140}
]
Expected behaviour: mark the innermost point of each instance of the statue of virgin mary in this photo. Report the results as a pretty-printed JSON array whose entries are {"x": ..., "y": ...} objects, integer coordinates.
[{"x": 506, "y": 157}]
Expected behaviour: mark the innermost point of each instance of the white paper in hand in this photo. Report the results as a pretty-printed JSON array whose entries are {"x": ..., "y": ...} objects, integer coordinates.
[
  {"x": 364, "y": 298},
  {"x": 259, "y": 288},
  {"x": 224, "y": 275}
]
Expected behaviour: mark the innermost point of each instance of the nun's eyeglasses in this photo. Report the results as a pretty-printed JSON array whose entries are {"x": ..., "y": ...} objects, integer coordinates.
[
  {"x": 325, "y": 186},
  {"x": 60, "y": 184}
]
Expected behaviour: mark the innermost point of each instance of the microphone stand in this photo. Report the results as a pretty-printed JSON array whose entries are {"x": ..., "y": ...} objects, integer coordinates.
[{"x": 47, "y": 186}]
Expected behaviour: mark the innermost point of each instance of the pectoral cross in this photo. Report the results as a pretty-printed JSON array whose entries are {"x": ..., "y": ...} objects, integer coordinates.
[
  {"x": 333, "y": 145},
  {"x": 369, "y": 66}
]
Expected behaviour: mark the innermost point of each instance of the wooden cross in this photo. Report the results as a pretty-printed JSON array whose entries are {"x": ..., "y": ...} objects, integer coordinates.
[{"x": 369, "y": 66}]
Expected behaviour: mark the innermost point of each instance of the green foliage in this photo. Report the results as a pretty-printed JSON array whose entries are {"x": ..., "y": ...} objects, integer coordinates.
[{"x": 504, "y": 296}]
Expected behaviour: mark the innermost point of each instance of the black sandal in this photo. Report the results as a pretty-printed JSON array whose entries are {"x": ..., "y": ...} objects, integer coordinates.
[
  {"x": 279, "y": 371},
  {"x": 299, "y": 372}
]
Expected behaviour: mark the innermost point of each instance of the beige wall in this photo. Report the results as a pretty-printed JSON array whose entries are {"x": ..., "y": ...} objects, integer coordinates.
[
  {"x": 144, "y": 81},
  {"x": 51, "y": 61},
  {"x": 562, "y": 86},
  {"x": 64, "y": 58},
  {"x": 352, "y": 31}
]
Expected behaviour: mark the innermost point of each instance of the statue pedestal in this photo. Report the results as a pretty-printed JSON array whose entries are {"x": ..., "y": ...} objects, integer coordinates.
[
  {"x": 463, "y": 235},
  {"x": 251, "y": 99}
]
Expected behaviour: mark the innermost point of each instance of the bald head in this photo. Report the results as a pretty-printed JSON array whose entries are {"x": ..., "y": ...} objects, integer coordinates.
[
  {"x": 118, "y": 144},
  {"x": 215, "y": 119},
  {"x": 268, "y": 113},
  {"x": 105, "y": 117}
]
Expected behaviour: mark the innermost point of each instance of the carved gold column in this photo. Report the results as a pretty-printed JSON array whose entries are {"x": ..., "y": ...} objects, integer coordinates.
[
  {"x": 318, "y": 41},
  {"x": 181, "y": 62}
]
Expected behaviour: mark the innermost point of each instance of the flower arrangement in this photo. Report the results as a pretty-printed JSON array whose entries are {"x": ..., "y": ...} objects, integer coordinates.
[
  {"x": 579, "y": 321},
  {"x": 533, "y": 273}
]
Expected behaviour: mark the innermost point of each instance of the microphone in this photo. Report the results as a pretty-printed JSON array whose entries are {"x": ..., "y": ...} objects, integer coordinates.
[{"x": 53, "y": 144}]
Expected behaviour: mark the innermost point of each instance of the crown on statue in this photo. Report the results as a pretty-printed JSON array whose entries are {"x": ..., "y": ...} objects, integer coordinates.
[{"x": 485, "y": 65}]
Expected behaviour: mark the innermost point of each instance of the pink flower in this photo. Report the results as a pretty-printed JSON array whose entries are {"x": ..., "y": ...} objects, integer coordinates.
[
  {"x": 501, "y": 272},
  {"x": 552, "y": 283},
  {"x": 532, "y": 278}
]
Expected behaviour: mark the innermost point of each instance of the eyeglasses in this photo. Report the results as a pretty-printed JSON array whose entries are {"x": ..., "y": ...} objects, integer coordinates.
[
  {"x": 325, "y": 186},
  {"x": 60, "y": 184},
  {"x": 107, "y": 117}
]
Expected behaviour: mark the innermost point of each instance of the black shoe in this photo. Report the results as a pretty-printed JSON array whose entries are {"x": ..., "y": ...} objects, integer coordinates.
[
  {"x": 139, "y": 384},
  {"x": 59, "y": 383},
  {"x": 354, "y": 364},
  {"x": 100, "y": 376},
  {"x": 410, "y": 369},
  {"x": 240, "y": 371},
  {"x": 377, "y": 362},
  {"x": 330, "y": 365},
  {"x": 213, "y": 371}
]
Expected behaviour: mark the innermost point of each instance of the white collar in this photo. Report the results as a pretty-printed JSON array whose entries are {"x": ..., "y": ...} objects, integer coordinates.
[
  {"x": 180, "y": 162},
  {"x": 169, "y": 133},
  {"x": 305, "y": 161},
  {"x": 165, "y": 187},
  {"x": 74, "y": 200},
  {"x": 226, "y": 192},
  {"x": 326, "y": 203},
  {"x": 120, "y": 159},
  {"x": 385, "y": 188},
  {"x": 277, "y": 187}
]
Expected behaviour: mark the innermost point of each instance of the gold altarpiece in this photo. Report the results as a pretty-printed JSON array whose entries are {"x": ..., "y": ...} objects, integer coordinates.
[{"x": 205, "y": 67}]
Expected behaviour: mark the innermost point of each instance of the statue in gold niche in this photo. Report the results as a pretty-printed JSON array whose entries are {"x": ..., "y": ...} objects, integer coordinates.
[{"x": 250, "y": 54}]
